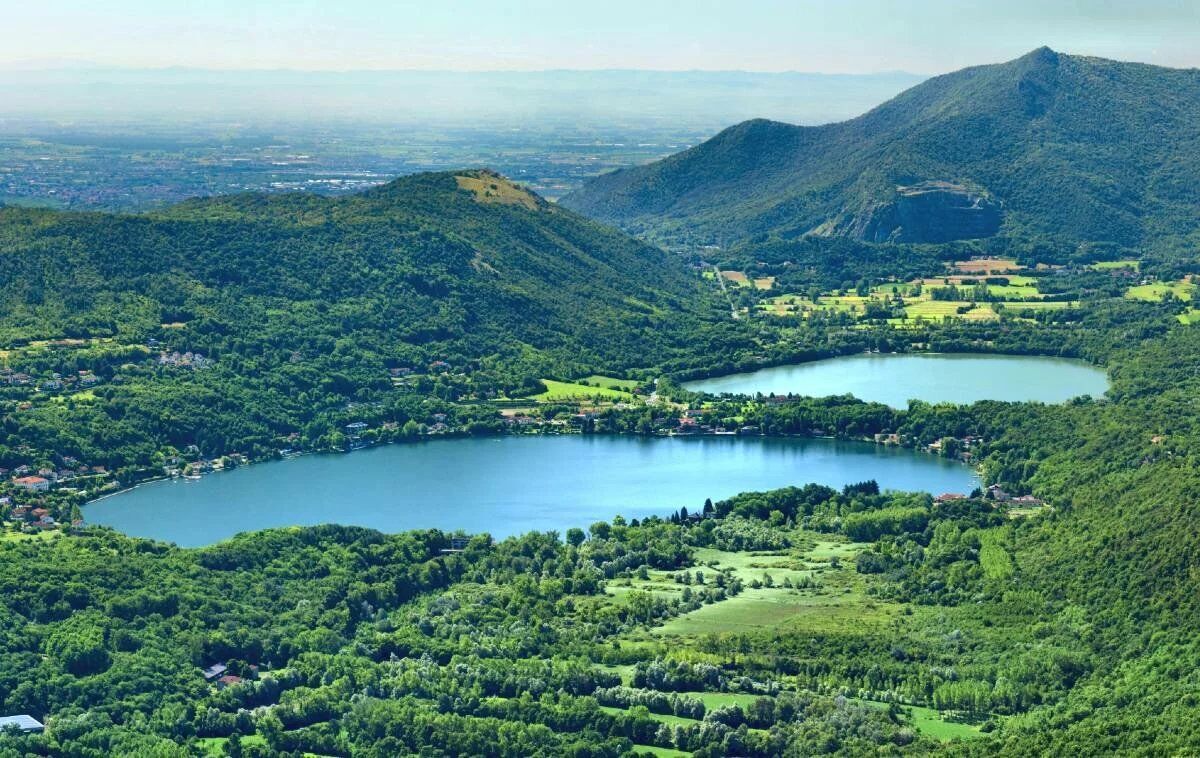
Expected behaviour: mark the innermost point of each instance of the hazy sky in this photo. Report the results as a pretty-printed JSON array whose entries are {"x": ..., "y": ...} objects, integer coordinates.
[{"x": 923, "y": 36}]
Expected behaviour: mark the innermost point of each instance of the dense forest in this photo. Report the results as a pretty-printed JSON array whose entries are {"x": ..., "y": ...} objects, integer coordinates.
[{"x": 429, "y": 267}]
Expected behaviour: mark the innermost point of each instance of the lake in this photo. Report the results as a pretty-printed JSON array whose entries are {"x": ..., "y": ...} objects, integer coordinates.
[
  {"x": 507, "y": 485},
  {"x": 895, "y": 379}
]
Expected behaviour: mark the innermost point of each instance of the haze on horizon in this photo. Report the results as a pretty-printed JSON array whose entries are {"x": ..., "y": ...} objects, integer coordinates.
[{"x": 858, "y": 36}]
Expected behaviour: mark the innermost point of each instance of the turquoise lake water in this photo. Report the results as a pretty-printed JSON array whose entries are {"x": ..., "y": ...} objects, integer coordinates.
[
  {"x": 507, "y": 485},
  {"x": 894, "y": 379}
]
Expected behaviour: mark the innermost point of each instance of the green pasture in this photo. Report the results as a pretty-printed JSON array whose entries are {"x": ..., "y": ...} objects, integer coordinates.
[
  {"x": 1157, "y": 291},
  {"x": 556, "y": 390}
]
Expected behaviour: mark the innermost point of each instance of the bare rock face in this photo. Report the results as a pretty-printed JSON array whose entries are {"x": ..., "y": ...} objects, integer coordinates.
[{"x": 930, "y": 212}]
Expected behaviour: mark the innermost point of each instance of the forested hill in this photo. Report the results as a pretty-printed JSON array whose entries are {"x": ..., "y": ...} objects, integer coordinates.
[
  {"x": 452, "y": 267},
  {"x": 1052, "y": 147}
]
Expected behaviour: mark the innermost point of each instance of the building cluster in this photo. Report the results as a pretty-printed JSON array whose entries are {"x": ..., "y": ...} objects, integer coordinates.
[
  {"x": 54, "y": 382},
  {"x": 26, "y": 479},
  {"x": 997, "y": 493},
  {"x": 195, "y": 466},
  {"x": 176, "y": 359}
]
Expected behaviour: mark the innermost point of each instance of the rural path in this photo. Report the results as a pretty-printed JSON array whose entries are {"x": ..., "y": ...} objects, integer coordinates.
[{"x": 725, "y": 291}]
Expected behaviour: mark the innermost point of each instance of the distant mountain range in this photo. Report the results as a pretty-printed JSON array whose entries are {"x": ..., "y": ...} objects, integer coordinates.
[
  {"x": 701, "y": 99},
  {"x": 1048, "y": 148}
]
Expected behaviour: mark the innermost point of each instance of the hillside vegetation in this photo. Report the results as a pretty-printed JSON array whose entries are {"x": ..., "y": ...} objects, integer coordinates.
[
  {"x": 254, "y": 322},
  {"x": 1050, "y": 148},
  {"x": 428, "y": 267}
]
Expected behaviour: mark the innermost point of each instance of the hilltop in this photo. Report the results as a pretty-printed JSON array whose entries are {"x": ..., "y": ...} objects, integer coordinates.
[
  {"x": 451, "y": 266},
  {"x": 1052, "y": 148}
]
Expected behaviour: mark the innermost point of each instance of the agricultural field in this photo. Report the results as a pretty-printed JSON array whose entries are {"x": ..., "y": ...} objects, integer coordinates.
[
  {"x": 604, "y": 388},
  {"x": 913, "y": 301},
  {"x": 219, "y": 746},
  {"x": 837, "y": 608},
  {"x": 787, "y": 305},
  {"x": 610, "y": 382},
  {"x": 940, "y": 309},
  {"x": 812, "y": 588},
  {"x": 1111, "y": 265},
  {"x": 660, "y": 752},
  {"x": 1042, "y": 305},
  {"x": 1156, "y": 291},
  {"x": 739, "y": 279},
  {"x": 982, "y": 266},
  {"x": 930, "y": 722},
  {"x": 994, "y": 556}
]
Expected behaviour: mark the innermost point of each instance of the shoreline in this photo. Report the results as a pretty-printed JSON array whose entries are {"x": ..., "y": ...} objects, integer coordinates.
[
  {"x": 976, "y": 470},
  {"x": 699, "y": 375}
]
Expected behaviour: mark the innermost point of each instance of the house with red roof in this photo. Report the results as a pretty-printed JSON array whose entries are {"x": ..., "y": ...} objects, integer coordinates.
[{"x": 32, "y": 483}]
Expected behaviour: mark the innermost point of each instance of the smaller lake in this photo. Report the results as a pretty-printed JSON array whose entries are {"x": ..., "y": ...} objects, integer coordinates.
[
  {"x": 508, "y": 485},
  {"x": 895, "y": 379}
]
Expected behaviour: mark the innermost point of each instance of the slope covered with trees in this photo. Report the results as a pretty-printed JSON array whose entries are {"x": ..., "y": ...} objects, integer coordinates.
[
  {"x": 1050, "y": 148},
  {"x": 252, "y": 323},
  {"x": 427, "y": 267}
]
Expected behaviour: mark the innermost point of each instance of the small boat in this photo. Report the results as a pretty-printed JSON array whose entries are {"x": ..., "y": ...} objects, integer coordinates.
[{"x": 192, "y": 477}]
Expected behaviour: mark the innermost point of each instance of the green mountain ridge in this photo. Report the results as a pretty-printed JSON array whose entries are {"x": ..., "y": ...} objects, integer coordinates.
[
  {"x": 424, "y": 267},
  {"x": 1068, "y": 148},
  {"x": 307, "y": 312}
]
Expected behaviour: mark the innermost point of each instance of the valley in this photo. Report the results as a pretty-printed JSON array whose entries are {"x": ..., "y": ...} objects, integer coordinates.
[{"x": 871, "y": 438}]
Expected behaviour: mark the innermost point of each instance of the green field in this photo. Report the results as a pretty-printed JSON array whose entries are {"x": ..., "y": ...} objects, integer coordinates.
[
  {"x": 625, "y": 671},
  {"x": 611, "y": 382},
  {"x": 556, "y": 390},
  {"x": 662, "y": 717},
  {"x": 939, "y": 309},
  {"x": 1042, "y": 305},
  {"x": 778, "y": 608},
  {"x": 216, "y": 745},
  {"x": 1013, "y": 291},
  {"x": 837, "y": 605},
  {"x": 1019, "y": 293},
  {"x": 1157, "y": 290},
  {"x": 713, "y": 700},
  {"x": 661, "y": 752},
  {"x": 1110, "y": 265},
  {"x": 751, "y": 566},
  {"x": 931, "y": 723},
  {"x": 12, "y": 535}
]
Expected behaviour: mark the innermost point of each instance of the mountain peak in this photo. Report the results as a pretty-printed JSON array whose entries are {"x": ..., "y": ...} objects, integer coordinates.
[
  {"x": 1041, "y": 140},
  {"x": 1042, "y": 54}
]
